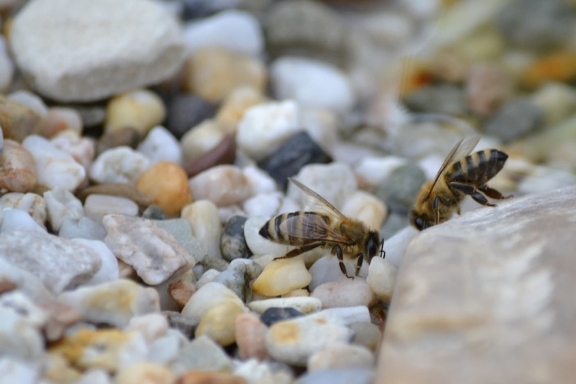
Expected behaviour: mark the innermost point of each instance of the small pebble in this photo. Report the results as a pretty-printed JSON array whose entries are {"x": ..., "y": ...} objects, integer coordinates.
[
  {"x": 557, "y": 100},
  {"x": 400, "y": 189},
  {"x": 487, "y": 87},
  {"x": 18, "y": 120},
  {"x": 139, "y": 109},
  {"x": 6, "y": 71},
  {"x": 154, "y": 212},
  {"x": 366, "y": 334},
  {"x": 166, "y": 185},
  {"x": 81, "y": 149},
  {"x": 97, "y": 206},
  {"x": 342, "y": 356},
  {"x": 282, "y": 276},
  {"x": 233, "y": 244},
  {"x": 14, "y": 370},
  {"x": 207, "y": 297},
  {"x": 515, "y": 119},
  {"x": 144, "y": 372},
  {"x": 204, "y": 220},
  {"x": 181, "y": 291},
  {"x": 234, "y": 105},
  {"x": 116, "y": 189},
  {"x": 259, "y": 181},
  {"x": 180, "y": 229},
  {"x": 165, "y": 349},
  {"x": 183, "y": 324},
  {"x": 127, "y": 137},
  {"x": 349, "y": 315},
  {"x": 236, "y": 275},
  {"x": 273, "y": 315},
  {"x": 372, "y": 171},
  {"x": 186, "y": 111},
  {"x": 152, "y": 326},
  {"x": 202, "y": 354},
  {"x": 223, "y": 153},
  {"x": 202, "y": 138},
  {"x": 263, "y": 204},
  {"x": 446, "y": 99},
  {"x": 17, "y": 167},
  {"x": 223, "y": 185},
  {"x": 250, "y": 334},
  {"x": 381, "y": 278},
  {"x": 344, "y": 293},
  {"x": 394, "y": 223},
  {"x": 395, "y": 246},
  {"x": 31, "y": 203},
  {"x": 303, "y": 304},
  {"x": 60, "y": 119},
  {"x": 119, "y": 165},
  {"x": 160, "y": 145},
  {"x": 255, "y": 371},
  {"x": 326, "y": 269},
  {"x": 109, "y": 269},
  {"x": 219, "y": 322}
]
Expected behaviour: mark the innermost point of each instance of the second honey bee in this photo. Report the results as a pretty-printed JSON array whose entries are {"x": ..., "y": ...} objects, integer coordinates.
[
  {"x": 326, "y": 228},
  {"x": 461, "y": 174}
]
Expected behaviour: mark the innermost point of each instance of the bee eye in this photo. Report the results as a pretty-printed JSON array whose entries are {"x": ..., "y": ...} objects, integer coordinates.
[{"x": 419, "y": 223}]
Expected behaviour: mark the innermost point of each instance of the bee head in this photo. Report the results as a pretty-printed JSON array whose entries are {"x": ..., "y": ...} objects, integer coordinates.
[
  {"x": 372, "y": 246},
  {"x": 418, "y": 220}
]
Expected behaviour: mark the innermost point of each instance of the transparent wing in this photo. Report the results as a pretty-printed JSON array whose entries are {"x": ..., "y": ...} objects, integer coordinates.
[
  {"x": 313, "y": 227},
  {"x": 324, "y": 206},
  {"x": 461, "y": 149}
]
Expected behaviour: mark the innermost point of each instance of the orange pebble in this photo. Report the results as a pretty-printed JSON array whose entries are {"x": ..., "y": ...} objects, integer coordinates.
[{"x": 559, "y": 66}]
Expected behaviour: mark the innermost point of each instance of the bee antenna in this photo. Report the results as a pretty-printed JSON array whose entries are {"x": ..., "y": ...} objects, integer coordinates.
[{"x": 382, "y": 252}]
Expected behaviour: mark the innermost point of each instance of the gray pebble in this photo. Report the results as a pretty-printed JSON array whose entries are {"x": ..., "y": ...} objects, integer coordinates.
[
  {"x": 275, "y": 314},
  {"x": 394, "y": 223},
  {"x": 400, "y": 189},
  {"x": 85, "y": 228},
  {"x": 154, "y": 212},
  {"x": 215, "y": 263},
  {"x": 515, "y": 119},
  {"x": 202, "y": 354},
  {"x": 180, "y": 322},
  {"x": 234, "y": 277},
  {"x": 338, "y": 376},
  {"x": 180, "y": 229},
  {"x": 233, "y": 244},
  {"x": 186, "y": 111},
  {"x": 447, "y": 99}
]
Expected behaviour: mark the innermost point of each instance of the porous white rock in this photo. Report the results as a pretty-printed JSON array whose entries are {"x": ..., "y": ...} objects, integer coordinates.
[
  {"x": 24, "y": 281},
  {"x": 312, "y": 83},
  {"x": 81, "y": 148},
  {"x": 61, "y": 204},
  {"x": 160, "y": 145},
  {"x": 85, "y": 228},
  {"x": 133, "y": 43},
  {"x": 11, "y": 218},
  {"x": 119, "y": 165},
  {"x": 233, "y": 30},
  {"x": 19, "y": 338},
  {"x": 265, "y": 127},
  {"x": 55, "y": 168}
]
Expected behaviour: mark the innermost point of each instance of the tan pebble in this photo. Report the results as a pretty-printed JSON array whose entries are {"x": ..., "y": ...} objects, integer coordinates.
[
  {"x": 31, "y": 203},
  {"x": 18, "y": 121},
  {"x": 166, "y": 185},
  {"x": 207, "y": 377},
  {"x": 219, "y": 323},
  {"x": 250, "y": 337},
  {"x": 204, "y": 220},
  {"x": 381, "y": 278},
  {"x": 213, "y": 73},
  {"x": 17, "y": 168},
  {"x": 201, "y": 139},
  {"x": 223, "y": 185},
  {"x": 118, "y": 137},
  {"x": 59, "y": 370},
  {"x": 342, "y": 356},
  {"x": 144, "y": 373},
  {"x": 366, "y": 208},
  {"x": 297, "y": 293},
  {"x": 487, "y": 87},
  {"x": 140, "y": 109},
  {"x": 60, "y": 317},
  {"x": 236, "y": 103},
  {"x": 282, "y": 276},
  {"x": 60, "y": 119},
  {"x": 116, "y": 189},
  {"x": 181, "y": 291},
  {"x": 557, "y": 66},
  {"x": 223, "y": 153}
]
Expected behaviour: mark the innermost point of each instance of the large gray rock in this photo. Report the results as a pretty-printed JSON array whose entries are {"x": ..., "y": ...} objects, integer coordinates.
[
  {"x": 84, "y": 50},
  {"x": 488, "y": 298}
]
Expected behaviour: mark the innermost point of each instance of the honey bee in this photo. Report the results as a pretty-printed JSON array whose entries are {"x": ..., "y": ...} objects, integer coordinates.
[
  {"x": 461, "y": 174},
  {"x": 326, "y": 228}
]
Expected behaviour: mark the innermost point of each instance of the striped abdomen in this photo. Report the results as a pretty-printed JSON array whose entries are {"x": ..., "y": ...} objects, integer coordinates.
[
  {"x": 477, "y": 168},
  {"x": 296, "y": 228}
]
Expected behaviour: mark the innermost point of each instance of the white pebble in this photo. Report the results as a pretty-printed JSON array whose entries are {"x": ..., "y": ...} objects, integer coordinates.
[
  {"x": 108, "y": 269},
  {"x": 349, "y": 315},
  {"x": 17, "y": 219},
  {"x": 152, "y": 326},
  {"x": 204, "y": 221},
  {"x": 396, "y": 245},
  {"x": 259, "y": 245},
  {"x": 30, "y": 100},
  {"x": 366, "y": 208},
  {"x": 344, "y": 293},
  {"x": 223, "y": 185},
  {"x": 342, "y": 356},
  {"x": 322, "y": 126},
  {"x": 259, "y": 180},
  {"x": 61, "y": 205},
  {"x": 201, "y": 138},
  {"x": 374, "y": 170},
  {"x": 207, "y": 277},
  {"x": 82, "y": 149},
  {"x": 119, "y": 165},
  {"x": 55, "y": 168},
  {"x": 31, "y": 203},
  {"x": 312, "y": 83},
  {"x": 97, "y": 206},
  {"x": 301, "y": 303},
  {"x": 381, "y": 278},
  {"x": 13, "y": 370},
  {"x": 85, "y": 228},
  {"x": 265, "y": 127},
  {"x": 263, "y": 204},
  {"x": 160, "y": 145}
]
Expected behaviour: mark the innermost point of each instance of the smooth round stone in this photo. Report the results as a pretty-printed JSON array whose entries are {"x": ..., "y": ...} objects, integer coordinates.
[
  {"x": 338, "y": 376},
  {"x": 18, "y": 120},
  {"x": 302, "y": 292},
  {"x": 250, "y": 334},
  {"x": 160, "y": 145},
  {"x": 166, "y": 185},
  {"x": 119, "y": 165},
  {"x": 181, "y": 291},
  {"x": 127, "y": 191},
  {"x": 186, "y": 111},
  {"x": 263, "y": 204},
  {"x": 223, "y": 153},
  {"x": 303, "y": 304},
  {"x": 17, "y": 168},
  {"x": 11, "y": 218},
  {"x": 446, "y": 99},
  {"x": 128, "y": 137},
  {"x": 265, "y": 127},
  {"x": 517, "y": 118},
  {"x": 349, "y": 315},
  {"x": 342, "y": 356},
  {"x": 260, "y": 182},
  {"x": 273, "y": 315},
  {"x": 295, "y": 153},
  {"x": 311, "y": 83},
  {"x": 400, "y": 189},
  {"x": 232, "y": 244},
  {"x": 236, "y": 275},
  {"x": 219, "y": 322},
  {"x": 326, "y": 269},
  {"x": 236, "y": 103},
  {"x": 140, "y": 109},
  {"x": 97, "y": 206},
  {"x": 181, "y": 231},
  {"x": 223, "y": 185},
  {"x": 344, "y": 293},
  {"x": 144, "y": 372},
  {"x": 381, "y": 278},
  {"x": 366, "y": 334},
  {"x": 282, "y": 276},
  {"x": 202, "y": 138},
  {"x": 212, "y": 73},
  {"x": 207, "y": 297},
  {"x": 366, "y": 208},
  {"x": 60, "y": 119},
  {"x": 374, "y": 170},
  {"x": 204, "y": 220},
  {"x": 394, "y": 223}
]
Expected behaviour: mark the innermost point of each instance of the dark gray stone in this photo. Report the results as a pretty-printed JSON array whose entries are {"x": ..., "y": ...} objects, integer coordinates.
[
  {"x": 154, "y": 212},
  {"x": 515, "y": 119},
  {"x": 180, "y": 322},
  {"x": 233, "y": 244},
  {"x": 400, "y": 189},
  {"x": 274, "y": 315},
  {"x": 185, "y": 111}
]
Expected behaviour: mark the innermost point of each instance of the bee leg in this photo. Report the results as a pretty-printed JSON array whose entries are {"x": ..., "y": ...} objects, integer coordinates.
[
  {"x": 493, "y": 193},
  {"x": 298, "y": 251},
  {"x": 359, "y": 263},
  {"x": 470, "y": 190},
  {"x": 340, "y": 257}
]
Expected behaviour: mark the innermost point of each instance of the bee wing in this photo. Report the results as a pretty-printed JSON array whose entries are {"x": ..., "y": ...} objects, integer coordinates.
[
  {"x": 461, "y": 149},
  {"x": 313, "y": 227},
  {"x": 325, "y": 206}
]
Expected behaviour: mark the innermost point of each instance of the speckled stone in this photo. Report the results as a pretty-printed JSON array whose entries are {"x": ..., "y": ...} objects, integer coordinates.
[{"x": 233, "y": 244}]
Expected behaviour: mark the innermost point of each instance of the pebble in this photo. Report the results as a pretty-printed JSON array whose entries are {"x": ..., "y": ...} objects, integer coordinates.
[
  {"x": 55, "y": 168},
  {"x": 223, "y": 185},
  {"x": 18, "y": 371},
  {"x": 61, "y": 205},
  {"x": 232, "y": 30},
  {"x": 119, "y": 165},
  {"x": 18, "y": 120},
  {"x": 180, "y": 229},
  {"x": 116, "y": 189},
  {"x": 208, "y": 276},
  {"x": 13, "y": 277},
  {"x": 250, "y": 334},
  {"x": 207, "y": 297},
  {"x": 166, "y": 185},
  {"x": 212, "y": 73},
  {"x": 342, "y": 356},
  {"x": 72, "y": 73},
  {"x": 255, "y": 371},
  {"x": 202, "y": 138},
  {"x": 263, "y": 204},
  {"x": 557, "y": 100},
  {"x": 294, "y": 341},
  {"x": 396, "y": 245},
  {"x": 165, "y": 349},
  {"x": 20, "y": 339},
  {"x": 160, "y": 145},
  {"x": 260, "y": 182},
  {"x": 114, "y": 302},
  {"x": 154, "y": 212},
  {"x": 223, "y": 153},
  {"x": 127, "y": 137},
  {"x": 108, "y": 349},
  {"x": 236, "y": 276},
  {"x": 366, "y": 208},
  {"x": 151, "y": 251},
  {"x": 97, "y": 206},
  {"x": 295, "y": 153},
  {"x": 556, "y": 66},
  {"x": 152, "y": 326},
  {"x": 366, "y": 334},
  {"x": 94, "y": 376},
  {"x": 109, "y": 269},
  {"x": 219, "y": 322},
  {"x": 344, "y": 293},
  {"x": 338, "y": 376},
  {"x": 234, "y": 105},
  {"x": 487, "y": 87},
  {"x": 6, "y": 67},
  {"x": 444, "y": 98},
  {"x": 31, "y": 203},
  {"x": 272, "y": 123},
  {"x": 80, "y": 148},
  {"x": 381, "y": 278},
  {"x": 144, "y": 372},
  {"x": 203, "y": 218},
  {"x": 17, "y": 167},
  {"x": 181, "y": 323},
  {"x": 58, "y": 369},
  {"x": 349, "y": 315},
  {"x": 256, "y": 243},
  {"x": 31, "y": 100},
  {"x": 181, "y": 291},
  {"x": 200, "y": 377},
  {"x": 326, "y": 269},
  {"x": 202, "y": 354},
  {"x": 59, "y": 119},
  {"x": 303, "y": 304},
  {"x": 85, "y": 228},
  {"x": 18, "y": 303},
  {"x": 371, "y": 171},
  {"x": 311, "y": 83},
  {"x": 282, "y": 276},
  {"x": 516, "y": 118},
  {"x": 49, "y": 258},
  {"x": 273, "y": 315},
  {"x": 394, "y": 223},
  {"x": 186, "y": 111},
  {"x": 232, "y": 243},
  {"x": 400, "y": 189}
]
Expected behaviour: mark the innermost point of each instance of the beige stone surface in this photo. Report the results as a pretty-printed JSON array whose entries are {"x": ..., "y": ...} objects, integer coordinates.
[{"x": 488, "y": 298}]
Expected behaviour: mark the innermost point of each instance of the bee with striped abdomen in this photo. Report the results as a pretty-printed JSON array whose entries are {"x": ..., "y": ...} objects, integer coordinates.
[
  {"x": 326, "y": 228},
  {"x": 461, "y": 174}
]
